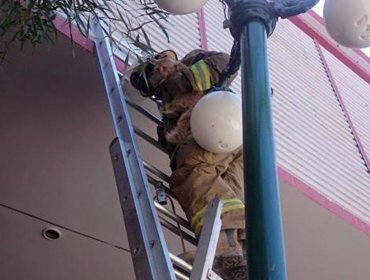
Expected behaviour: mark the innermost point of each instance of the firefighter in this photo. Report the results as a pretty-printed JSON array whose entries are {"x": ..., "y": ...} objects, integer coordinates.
[{"x": 198, "y": 176}]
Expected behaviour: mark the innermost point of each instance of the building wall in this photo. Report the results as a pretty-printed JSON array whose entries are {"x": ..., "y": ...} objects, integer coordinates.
[
  {"x": 314, "y": 140},
  {"x": 320, "y": 245},
  {"x": 55, "y": 169}
]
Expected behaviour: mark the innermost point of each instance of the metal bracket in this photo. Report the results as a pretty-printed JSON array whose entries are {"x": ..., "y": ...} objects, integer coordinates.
[{"x": 213, "y": 276}]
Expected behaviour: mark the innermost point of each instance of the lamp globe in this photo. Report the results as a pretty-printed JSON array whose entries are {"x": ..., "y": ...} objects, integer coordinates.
[{"x": 216, "y": 122}]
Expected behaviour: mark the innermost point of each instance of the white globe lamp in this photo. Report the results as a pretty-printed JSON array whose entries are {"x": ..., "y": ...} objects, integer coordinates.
[
  {"x": 348, "y": 22},
  {"x": 216, "y": 122},
  {"x": 180, "y": 7}
]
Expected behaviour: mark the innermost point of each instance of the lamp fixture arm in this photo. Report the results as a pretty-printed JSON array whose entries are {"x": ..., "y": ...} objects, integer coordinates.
[{"x": 289, "y": 8}]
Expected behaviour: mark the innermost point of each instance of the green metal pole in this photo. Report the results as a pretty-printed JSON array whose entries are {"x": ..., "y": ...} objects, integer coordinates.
[{"x": 266, "y": 253}]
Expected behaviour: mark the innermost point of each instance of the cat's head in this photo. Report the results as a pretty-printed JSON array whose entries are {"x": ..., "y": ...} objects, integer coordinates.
[
  {"x": 162, "y": 68},
  {"x": 148, "y": 75}
]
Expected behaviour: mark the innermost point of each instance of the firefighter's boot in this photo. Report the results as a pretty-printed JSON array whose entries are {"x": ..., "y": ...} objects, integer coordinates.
[{"x": 230, "y": 261}]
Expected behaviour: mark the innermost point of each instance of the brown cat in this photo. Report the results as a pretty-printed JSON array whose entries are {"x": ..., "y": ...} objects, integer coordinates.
[{"x": 177, "y": 104}]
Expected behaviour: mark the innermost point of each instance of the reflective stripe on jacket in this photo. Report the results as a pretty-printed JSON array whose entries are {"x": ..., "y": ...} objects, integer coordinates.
[
  {"x": 202, "y": 75},
  {"x": 197, "y": 221}
]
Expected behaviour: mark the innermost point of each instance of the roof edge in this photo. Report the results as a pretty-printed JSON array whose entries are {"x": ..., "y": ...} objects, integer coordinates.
[
  {"x": 325, "y": 41},
  {"x": 319, "y": 19},
  {"x": 76, "y": 36}
]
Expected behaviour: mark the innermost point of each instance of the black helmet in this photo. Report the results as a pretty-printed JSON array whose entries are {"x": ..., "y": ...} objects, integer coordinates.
[{"x": 139, "y": 78}]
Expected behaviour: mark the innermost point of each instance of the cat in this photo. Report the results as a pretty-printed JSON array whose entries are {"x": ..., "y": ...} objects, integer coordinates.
[{"x": 177, "y": 104}]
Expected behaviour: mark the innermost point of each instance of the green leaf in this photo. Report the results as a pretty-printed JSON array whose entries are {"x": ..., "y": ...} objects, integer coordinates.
[{"x": 31, "y": 21}]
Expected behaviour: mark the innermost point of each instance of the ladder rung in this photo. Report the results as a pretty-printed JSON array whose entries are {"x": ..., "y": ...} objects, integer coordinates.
[
  {"x": 181, "y": 263},
  {"x": 144, "y": 112},
  {"x": 181, "y": 276},
  {"x": 175, "y": 230},
  {"x": 172, "y": 216},
  {"x": 156, "y": 171},
  {"x": 150, "y": 139}
]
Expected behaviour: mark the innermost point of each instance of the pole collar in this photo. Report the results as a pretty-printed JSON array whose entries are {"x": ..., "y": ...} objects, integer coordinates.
[{"x": 247, "y": 10}]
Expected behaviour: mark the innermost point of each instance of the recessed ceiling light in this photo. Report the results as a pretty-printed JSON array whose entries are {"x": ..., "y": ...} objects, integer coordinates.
[{"x": 51, "y": 233}]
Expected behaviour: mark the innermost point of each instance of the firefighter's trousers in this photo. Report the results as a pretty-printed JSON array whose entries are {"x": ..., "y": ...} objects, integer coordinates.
[{"x": 199, "y": 177}]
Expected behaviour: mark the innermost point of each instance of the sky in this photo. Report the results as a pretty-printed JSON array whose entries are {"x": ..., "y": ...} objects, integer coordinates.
[{"x": 319, "y": 8}]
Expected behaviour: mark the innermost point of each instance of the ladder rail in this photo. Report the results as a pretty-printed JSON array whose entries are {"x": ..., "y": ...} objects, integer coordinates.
[
  {"x": 203, "y": 262},
  {"x": 148, "y": 247}
]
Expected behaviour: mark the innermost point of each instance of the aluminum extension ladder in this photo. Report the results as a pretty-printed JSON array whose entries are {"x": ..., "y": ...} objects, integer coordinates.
[{"x": 149, "y": 251}]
